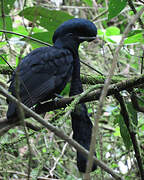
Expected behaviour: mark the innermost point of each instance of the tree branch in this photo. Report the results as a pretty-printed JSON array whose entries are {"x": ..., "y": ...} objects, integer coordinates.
[
  {"x": 58, "y": 133},
  {"x": 92, "y": 96},
  {"x": 24, "y": 36}
]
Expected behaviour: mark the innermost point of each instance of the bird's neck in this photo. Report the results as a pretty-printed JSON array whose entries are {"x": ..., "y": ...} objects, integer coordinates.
[
  {"x": 67, "y": 43},
  {"x": 72, "y": 45},
  {"x": 76, "y": 84}
]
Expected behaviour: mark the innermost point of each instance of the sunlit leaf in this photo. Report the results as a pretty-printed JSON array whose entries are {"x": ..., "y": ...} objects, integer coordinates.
[
  {"x": 138, "y": 38},
  {"x": 142, "y": 127},
  {"x": 21, "y": 30},
  {"x": 100, "y": 32},
  {"x": 44, "y": 150},
  {"x": 112, "y": 31},
  {"x": 117, "y": 131}
]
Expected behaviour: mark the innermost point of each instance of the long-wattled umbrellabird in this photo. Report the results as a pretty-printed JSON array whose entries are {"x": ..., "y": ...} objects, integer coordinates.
[{"x": 45, "y": 71}]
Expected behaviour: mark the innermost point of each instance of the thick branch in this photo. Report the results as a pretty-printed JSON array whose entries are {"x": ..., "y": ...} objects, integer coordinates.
[
  {"x": 92, "y": 96},
  {"x": 86, "y": 79}
]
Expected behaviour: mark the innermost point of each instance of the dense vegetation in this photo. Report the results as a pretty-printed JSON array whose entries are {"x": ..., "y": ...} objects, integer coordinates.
[{"x": 28, "y": 24}]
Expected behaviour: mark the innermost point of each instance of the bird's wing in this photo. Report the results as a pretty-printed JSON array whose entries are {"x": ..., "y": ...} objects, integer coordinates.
[{"x": 42, "y": 73}]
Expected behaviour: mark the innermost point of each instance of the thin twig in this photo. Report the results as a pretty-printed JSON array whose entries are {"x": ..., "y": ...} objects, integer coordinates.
[
  {"x": 101, "y": 14},
  {"x": 28, "y": 37},
  {"x": 56, "y": 161},
  {"x": 91, "y": 67}
]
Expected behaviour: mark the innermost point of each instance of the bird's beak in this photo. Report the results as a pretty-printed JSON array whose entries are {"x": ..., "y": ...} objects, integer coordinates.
[{"x": 87, "y": 38}]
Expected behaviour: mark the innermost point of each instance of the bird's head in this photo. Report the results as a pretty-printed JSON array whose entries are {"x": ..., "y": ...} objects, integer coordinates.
[{"x": 81, "y": 29}]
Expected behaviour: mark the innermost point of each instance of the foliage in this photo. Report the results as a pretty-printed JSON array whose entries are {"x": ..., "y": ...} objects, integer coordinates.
[
  {"x": 114, "y": 145},
  {"x": 115, "y": 7}
]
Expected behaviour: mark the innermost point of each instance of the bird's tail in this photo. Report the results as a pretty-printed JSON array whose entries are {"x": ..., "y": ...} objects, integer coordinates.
[
  {"x": 82, "y": 130},
  {"x": 11, "y": 110}
]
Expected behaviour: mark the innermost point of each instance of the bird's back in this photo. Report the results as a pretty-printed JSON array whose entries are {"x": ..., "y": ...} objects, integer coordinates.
[{"x": 42, "y": 73}]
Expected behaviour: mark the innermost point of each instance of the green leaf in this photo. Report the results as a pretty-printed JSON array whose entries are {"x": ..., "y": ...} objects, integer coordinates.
[
  {"x": 66, "y": 90},
  {"x": 138, "y": 38},
  {"x": 11, "y": 131},
  {"x": 88, "y": 2},
  {"x": 114, "y": 165},
  {"x": 21, "y": 30},
  {"x": 132, "y": 113},
  {"x": 5, "y": 57},
  {"x": 49, "y": 19},
  {"x": 111, "y": 34},
  {"x": 2, "y": 44},
  {"x": 117, "y": 131},
  {"x": 35, "y": 45},
  {"x": 134, "y": 32},
  {"x": 44, "y": 150},
  {"x": 100, "y": 32},
  {"x": 142, "y": 127},
  {"x": 110, "y": 31},
  {"x": 115, "y": 7},
  {"x": 8, "y": 4},
  {"x": 8, "y": 25},
  {"x": 124, "y": 132},
  {"x": 43, "y": 36}
]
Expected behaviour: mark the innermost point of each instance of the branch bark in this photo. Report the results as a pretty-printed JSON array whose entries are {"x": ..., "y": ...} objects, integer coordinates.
[{"x": 92, "y": 96}]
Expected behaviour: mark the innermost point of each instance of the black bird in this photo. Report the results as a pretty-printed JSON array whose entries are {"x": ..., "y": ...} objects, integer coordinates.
[
  {"x": 45, "y": 71},
  {"x": 81, "y": 123}
]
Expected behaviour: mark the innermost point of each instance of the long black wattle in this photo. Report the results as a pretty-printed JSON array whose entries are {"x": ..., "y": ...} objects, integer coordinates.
[{"x": 81, "y": 123}]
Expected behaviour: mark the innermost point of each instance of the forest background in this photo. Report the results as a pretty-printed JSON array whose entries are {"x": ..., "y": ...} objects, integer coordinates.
[{"x": 117, "y": 114}]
